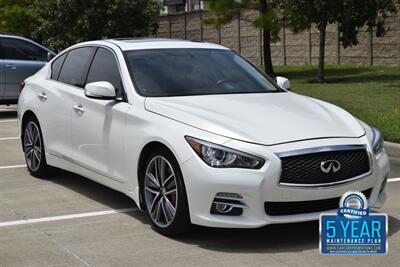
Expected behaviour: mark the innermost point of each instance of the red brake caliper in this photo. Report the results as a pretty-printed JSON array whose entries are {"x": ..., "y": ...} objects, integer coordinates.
[{"x": 172, "y": 198}]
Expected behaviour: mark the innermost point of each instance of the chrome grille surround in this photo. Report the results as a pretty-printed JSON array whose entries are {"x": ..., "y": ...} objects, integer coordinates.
[{"x": 321, "y": 151}]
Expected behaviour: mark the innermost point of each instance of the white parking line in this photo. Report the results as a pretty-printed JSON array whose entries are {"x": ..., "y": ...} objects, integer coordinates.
[
  {"x": 12, "y": 167},
  {"x": 8, "y": 121},
  {"x": 9, "y": 138},
  {"x": 67, "y": 217},
  {"x": 392, "y": 180}
]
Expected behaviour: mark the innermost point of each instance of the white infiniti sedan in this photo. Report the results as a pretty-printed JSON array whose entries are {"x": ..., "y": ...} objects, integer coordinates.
[{"x": 195, "y": 134}]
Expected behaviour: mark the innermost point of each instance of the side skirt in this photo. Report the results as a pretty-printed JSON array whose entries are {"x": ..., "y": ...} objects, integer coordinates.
[{"x": 67, "y": 165}]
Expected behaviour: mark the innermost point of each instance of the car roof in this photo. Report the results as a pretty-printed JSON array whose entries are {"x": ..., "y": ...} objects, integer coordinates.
[
  {"x": 7, "y": 34},
  {"x": 126, "y": 44},
  {"x": 13, "y": 36}
]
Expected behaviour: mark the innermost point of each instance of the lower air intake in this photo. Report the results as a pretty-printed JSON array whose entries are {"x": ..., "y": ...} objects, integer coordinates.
[{"x": 299, "y": 207}]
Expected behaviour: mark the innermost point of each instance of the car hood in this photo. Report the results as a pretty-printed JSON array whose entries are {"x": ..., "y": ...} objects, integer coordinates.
[{"x": 268, "y": 118}]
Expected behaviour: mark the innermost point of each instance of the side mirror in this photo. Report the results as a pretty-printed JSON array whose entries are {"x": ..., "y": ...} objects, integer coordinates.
[
  {"x": 100, "y": 90},
  {"x": 283, "y": 82},
  {"x": 50, "y": 56}
]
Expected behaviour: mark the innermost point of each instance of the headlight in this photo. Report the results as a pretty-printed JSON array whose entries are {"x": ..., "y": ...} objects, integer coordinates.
[
  {"x": 377, "y": 143},
  {"x": 222, "y": 157}
]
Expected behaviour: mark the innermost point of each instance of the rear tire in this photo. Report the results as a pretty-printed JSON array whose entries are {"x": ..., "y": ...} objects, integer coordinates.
[
  {"x": 164, "y": 194},
  {"x": 33, "y": 147}
]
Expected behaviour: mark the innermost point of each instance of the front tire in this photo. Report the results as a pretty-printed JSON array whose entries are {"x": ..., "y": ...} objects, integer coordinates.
[
  {"x": 33, "y": 147},
  {"x": 164, "y": 194}
]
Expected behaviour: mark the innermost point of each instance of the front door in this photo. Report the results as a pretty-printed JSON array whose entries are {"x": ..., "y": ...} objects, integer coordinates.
[{"x": 98, "y": 126}]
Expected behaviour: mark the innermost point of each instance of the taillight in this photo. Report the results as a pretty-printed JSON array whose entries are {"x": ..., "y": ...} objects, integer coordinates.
[{"x": 21, "y": 86}]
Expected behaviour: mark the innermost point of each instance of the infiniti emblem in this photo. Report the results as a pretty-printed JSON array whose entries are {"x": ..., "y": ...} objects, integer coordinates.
[{"x": 330, "y": 166}]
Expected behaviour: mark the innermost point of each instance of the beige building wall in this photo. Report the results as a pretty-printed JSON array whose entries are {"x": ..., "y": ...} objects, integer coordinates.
[{"x": 290, "y": 49}]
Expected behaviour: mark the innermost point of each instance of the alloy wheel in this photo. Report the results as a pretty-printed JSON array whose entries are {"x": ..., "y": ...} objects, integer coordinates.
[
  {"x": 32, "y": 146},
  {"x": 161, "y": 191}
]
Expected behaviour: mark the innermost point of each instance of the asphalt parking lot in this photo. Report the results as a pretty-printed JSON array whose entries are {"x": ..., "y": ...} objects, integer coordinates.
[{"x": 71, "y": 221}]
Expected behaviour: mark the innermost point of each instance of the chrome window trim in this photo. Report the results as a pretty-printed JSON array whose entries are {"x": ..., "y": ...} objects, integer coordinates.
[
  {"x": 326, "y": 149},
  {"x": 96, "y": 46}
]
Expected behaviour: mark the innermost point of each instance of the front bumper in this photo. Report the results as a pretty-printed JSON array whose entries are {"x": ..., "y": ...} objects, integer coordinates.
[{"x": 259, "y": 186}]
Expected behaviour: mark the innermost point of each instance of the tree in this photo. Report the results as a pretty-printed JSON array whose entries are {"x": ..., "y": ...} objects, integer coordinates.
[
  {"x": 224, "y": 11},
  {"x": 350, "y": 15},
  {"x": 16, "y": 17},
  {"x": 67, "y": 22}
]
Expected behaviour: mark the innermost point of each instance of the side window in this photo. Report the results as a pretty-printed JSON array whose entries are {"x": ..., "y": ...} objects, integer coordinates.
[
  {"x": 105, "y": 68},
  {"x": 74, "y": 67},
  {"x": 56, "y": 66},
  {"x": 22, "y": 50}
]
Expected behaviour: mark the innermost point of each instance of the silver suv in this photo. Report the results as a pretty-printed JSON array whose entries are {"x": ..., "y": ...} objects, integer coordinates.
[{"x": 19, "y": 59}]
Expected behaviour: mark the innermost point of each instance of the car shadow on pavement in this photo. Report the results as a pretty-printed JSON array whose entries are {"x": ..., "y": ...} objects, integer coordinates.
[
  {"x": 394, "y": 225},
  {"x": 275, "y": 238},
  {"x": 12, "y": 114},
  {"x": 95, "y": 191},
  {"x": 268, "y": 239}
]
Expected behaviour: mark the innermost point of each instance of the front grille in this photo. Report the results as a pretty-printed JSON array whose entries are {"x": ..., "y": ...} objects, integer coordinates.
[
  {"x": 305, "y": 169},
  {"x": 298, "y": 207}
]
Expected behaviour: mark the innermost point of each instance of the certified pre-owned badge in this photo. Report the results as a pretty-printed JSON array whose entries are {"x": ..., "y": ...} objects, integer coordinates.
[{"x": 353, "y": 230}]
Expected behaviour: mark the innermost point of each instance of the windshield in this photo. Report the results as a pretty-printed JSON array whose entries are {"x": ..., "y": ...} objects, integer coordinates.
[{"x": 182, "y": 72}]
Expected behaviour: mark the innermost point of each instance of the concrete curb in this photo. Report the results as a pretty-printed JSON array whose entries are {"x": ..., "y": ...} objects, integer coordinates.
[{"x": 393, "y": 149}]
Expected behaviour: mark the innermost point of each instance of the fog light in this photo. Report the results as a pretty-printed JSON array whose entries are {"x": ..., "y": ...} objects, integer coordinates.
[
  {"x": 227, "y": 204},
  {"x": 223, "y": 208}
]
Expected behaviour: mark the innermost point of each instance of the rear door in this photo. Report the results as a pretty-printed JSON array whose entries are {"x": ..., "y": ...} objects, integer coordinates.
[
  {"x": 56, "y": 99},
  {"x": 21, "y": 59}
]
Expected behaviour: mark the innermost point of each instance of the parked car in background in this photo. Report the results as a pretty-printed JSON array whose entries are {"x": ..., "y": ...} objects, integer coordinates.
[{"x": 19, "y": 59}]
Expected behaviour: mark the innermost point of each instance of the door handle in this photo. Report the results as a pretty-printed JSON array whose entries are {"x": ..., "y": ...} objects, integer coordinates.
[
  {"x": 79, "y": 109},
  {"x": 42, "y": 96},
  {"x": 11, "y": 66}
]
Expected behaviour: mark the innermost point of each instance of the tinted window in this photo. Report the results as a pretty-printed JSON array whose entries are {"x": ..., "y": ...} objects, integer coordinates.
[
  {"x": 105, "y": 68},
  {"x": 177, "y": 72},
  {"x": 22, "y": 50},
  {"x": 56, "y": 66},
  {"x": 75, "y": 65}
]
